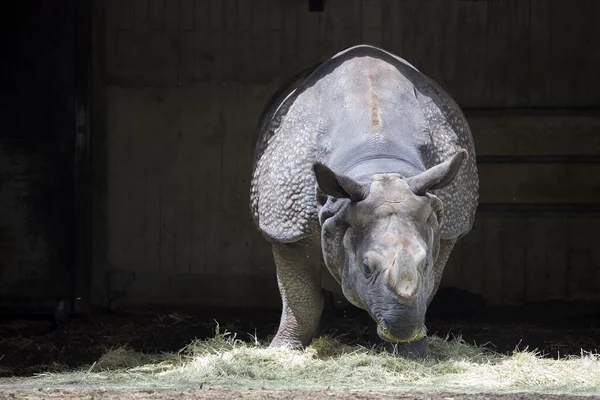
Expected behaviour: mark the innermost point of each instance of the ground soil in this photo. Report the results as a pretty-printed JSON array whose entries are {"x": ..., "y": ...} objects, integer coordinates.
[
  {"x": 84, "y": 394},
  {"x": 29, "y": 346},
  {"x": 36, "y": 345}
]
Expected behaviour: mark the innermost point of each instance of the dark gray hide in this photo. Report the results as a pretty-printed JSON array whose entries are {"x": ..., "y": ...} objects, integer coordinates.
[{"x": 397, "y": 187}]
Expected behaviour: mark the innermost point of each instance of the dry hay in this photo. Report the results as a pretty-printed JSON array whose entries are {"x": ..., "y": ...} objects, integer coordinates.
[{"x": 227, "y": 362}]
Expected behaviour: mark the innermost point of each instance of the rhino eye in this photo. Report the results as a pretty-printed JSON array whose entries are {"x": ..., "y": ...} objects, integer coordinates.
[{"x": 367, "y": 267}]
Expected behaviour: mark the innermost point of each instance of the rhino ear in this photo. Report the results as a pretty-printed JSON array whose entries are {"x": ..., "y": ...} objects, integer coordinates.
[
  {"x": 436, "y": 177},
  {"x": 337, "y": 185}
]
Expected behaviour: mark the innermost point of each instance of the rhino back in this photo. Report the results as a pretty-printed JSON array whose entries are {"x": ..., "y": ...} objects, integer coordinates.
[{"x": 363, "y": 107}]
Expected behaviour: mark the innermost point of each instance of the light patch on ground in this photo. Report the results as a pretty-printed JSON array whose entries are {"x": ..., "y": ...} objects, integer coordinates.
[{"x": 227, "y": 362}]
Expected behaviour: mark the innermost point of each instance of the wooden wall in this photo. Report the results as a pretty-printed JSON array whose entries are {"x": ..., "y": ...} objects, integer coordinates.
[{"x": 181, "y": 84}]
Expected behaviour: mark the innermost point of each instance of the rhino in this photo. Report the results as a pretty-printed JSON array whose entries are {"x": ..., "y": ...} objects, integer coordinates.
[{"x": 363, "y": 179}]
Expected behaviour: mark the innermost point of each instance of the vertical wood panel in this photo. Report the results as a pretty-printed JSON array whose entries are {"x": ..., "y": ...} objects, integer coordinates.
[
  {"x": 556, "y": 266},
  {"x": 157, "y": 14},
  {"x": 582, "y": 270},
  {"x": 390, "y": 23},
  {"x": 587, "y": 52},
  {"x": 230, "y": 39},
  {"x": 344, "y": 22},
  {"x": 508, "y": 59},
  {"x": 472, "y": 272},
  {"x": 491, "y": 259},
  {"x": 471, "y": 53},
  {"x": 517, "y": 59},
  {"x": 266, "y": 40},
  {"x": 190, "y": 77},
  {"x": 450, "y": 70},
  {"x": 111, "y": 35},
  {"x": 202, "y": 56},
  {"x": 289, "y": 37},
  {"x": 453, "y": 272},
  {"x": 372, "y": 22},
  {"x": 125, "y": 13},
  {"x": 309, "y": 31},
  {"x": 423, "y": 38},
  {"x": 513, "y": 244},
  {"x": 536, "y": 258},
  {"x": 186, "y": 15},
  {"x": 141, "y": 20}
]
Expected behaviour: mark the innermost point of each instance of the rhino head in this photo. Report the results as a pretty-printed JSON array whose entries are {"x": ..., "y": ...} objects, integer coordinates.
[{"x": 380, "y": 241}]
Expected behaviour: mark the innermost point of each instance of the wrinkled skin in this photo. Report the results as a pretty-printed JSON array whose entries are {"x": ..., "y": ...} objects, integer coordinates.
[{"x": 364, "y": 178}]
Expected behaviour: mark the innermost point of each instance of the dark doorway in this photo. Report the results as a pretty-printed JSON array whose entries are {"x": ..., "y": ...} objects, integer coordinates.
[{"x": 41, "y": 131}]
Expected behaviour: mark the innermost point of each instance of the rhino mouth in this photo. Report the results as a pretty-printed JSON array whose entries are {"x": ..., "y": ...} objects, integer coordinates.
[{"x": 405, "y": 337}]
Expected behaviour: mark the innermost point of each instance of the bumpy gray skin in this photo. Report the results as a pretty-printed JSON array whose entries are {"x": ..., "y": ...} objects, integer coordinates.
[{"x": 364, "y": 170}]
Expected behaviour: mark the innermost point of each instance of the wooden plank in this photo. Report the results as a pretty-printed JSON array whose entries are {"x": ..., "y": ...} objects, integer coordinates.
[
  {"x": 371, "y": 22},
  {"x": 118, "y": 175},
  {"x": 172, "y": 19},
  {"x": 506, "y": 134},
  {"x": 453, "y": 271},
  {"x": 513, "y": 244},
  {"x": 215, "y": 39},
  {"x": 499, "y": 49},
  {"x": 390, "y": 27},
  {"x": 516, "y": 66},
  {"x": 243, "y": 69},
  {"x": 539, "y": 183},
  {"x": 126, "y": 12},
  {"x": 473, "y": 265},
  {"x": 203, "y": 57},
  {"x": 586, "y": 43},
  {"x": 186, "y": 15},
  {"x": 273, "y": 13},
  {"x": 309, "y": 33},
  {"x": 195, "y": 125},
  {"x": 344, "y": 19},
  {"x": 265, "y": 41},
  {"x": 449, "y": 70},
  {"x": 508, "y": 55},
  {"x": 595, "y": 274},
  {"x": 491, "y": 260},
  {"x": 582, "y": 271},
  {"x": 141, "y": 20},
  {"x": 536, "y": 258},
  {"x": 213, "y": 164},
  {"x": 231, "y": 60},
  {"x": 556, "y": 284},
  {"x": 407, "y": 32},
  {"x": 423, "y": 36},
  {"x": 531, "y": 259},
  {"x": 289, "y": 38},
  {"x": 562, "y": 39},
  {"x": 112, "y": 21},
  {"x": 470, "y": 53},
  {"x": 157, "y": 14}
]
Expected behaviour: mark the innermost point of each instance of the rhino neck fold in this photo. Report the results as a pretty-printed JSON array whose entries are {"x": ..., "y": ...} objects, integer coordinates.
[{"x": 363, "y": 170}]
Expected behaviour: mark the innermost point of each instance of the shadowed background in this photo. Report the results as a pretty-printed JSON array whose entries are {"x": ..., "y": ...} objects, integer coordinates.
[{"x": 128, "y": 126}]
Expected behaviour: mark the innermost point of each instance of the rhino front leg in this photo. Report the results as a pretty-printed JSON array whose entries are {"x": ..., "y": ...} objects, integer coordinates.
[{"x": 299, "y": 280}]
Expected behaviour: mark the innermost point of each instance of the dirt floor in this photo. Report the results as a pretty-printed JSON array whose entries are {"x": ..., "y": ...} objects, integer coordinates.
[
  {"x": 30, "y": 346},
  {"x": 35, "y": 345},
  {"x": 83, "y": 394}
]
